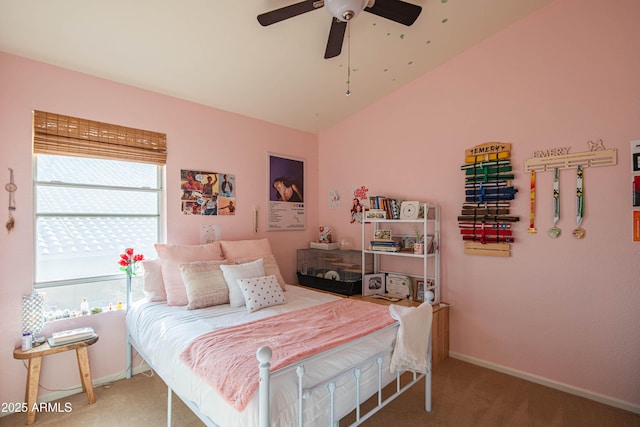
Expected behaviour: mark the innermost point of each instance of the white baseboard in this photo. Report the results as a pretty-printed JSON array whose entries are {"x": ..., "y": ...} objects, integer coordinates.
[
  {"x": 59, "y": 394},
  {"x": 600, "y": 398}
]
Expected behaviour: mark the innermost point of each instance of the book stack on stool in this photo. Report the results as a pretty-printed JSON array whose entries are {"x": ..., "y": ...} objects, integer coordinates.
[{"x": 71, "y": 335}]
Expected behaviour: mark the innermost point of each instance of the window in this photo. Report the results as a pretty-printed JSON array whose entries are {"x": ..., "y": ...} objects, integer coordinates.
[{"x": 87, "y": 212}]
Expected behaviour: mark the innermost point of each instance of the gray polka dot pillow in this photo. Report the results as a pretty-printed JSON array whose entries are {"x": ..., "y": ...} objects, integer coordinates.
[{"x": 261, "y": 292}]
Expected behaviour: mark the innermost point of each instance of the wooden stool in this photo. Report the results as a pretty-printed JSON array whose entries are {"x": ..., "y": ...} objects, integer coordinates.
[{"x": 35, "y": 356}]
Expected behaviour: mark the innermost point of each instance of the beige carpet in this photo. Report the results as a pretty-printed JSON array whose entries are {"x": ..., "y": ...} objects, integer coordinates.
[{"x": 463, "y": 395}]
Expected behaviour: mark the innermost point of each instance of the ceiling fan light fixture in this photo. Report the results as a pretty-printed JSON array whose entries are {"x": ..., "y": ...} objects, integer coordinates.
[{"x": 345, "y": 10}]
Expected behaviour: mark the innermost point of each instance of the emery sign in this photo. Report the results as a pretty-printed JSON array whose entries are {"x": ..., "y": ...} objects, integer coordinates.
[
  {"x": 488, "y": 148},
  {"x": 560, "y": 151}
]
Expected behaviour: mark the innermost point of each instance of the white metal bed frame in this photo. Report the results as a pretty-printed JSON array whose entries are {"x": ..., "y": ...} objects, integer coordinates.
[{"x": 263, "y": 356}]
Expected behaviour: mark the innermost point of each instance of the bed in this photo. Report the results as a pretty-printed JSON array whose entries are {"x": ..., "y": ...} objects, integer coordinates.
[{"x": 317, "y": 390}]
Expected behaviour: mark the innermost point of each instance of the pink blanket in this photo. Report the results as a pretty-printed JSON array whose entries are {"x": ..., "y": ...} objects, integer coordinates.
[{"x": 226, "y": 359}]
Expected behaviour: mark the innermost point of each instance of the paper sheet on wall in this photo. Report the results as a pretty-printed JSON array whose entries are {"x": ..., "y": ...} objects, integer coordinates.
[{"x": 209, "y": 233}]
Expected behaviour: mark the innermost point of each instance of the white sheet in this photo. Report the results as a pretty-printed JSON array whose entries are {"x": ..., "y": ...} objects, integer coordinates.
[{"x": 160, "y": 333}]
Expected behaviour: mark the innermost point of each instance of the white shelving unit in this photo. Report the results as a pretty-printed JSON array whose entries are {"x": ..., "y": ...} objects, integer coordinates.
[{"x": 430, "y": 224}]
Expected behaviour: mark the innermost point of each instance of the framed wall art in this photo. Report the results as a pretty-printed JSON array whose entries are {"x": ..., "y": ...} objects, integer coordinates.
[{"x": 285, "y": 193}]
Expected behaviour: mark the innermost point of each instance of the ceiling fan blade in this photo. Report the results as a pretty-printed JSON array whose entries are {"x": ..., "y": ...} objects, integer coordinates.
[
  {"x": 396, "y": 10},
  {"x": 287, "y": 12},
  {"x": 336, "y": 38}
]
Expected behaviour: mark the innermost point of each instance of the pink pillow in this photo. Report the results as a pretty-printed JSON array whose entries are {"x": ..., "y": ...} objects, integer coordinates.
[
  {"x": 174, "y": 255},
  {"x": 153, "y": 285},
  {"x": 234, "y": 249}
]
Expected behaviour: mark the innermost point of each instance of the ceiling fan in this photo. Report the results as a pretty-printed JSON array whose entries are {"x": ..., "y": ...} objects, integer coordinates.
[{"x": 343, "y": 11}]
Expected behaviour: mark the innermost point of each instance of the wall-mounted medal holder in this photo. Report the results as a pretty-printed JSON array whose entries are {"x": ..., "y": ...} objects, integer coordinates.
[
  {"x": 485, "y": 220},
  {"x": 596, "y": 156}
]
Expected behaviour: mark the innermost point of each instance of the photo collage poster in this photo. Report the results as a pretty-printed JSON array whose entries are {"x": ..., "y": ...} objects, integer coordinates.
[
  {"x": 285, "y": 200},
  {"x": 207, "y": 193}
]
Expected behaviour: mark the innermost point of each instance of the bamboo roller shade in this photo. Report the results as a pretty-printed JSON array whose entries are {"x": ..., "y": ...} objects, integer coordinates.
[{"x": 72, "y": 136}]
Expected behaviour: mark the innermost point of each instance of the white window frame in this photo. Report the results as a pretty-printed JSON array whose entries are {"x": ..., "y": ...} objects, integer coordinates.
[{"x": 160, "y": 191}]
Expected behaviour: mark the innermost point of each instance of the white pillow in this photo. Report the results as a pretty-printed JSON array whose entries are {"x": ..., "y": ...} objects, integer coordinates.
[
  {"x": 240, "y": 271},
  {"x": 153, "y": 285},
  {"x": 261, "y": 292},
  {"x": 270, "y": 267},
  {"x": 204, "y": 283}
]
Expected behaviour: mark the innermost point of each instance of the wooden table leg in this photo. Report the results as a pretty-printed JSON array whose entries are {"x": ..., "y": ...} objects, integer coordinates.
[
  {"x": 33, "y": 382},
  {"x": 85, "y": 373}
]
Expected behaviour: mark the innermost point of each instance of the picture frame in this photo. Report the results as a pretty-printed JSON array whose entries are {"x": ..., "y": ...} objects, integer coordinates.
[
  {"x": 373, "y": 284},
  {"x": 373, "y": 214},
  {"x": 429, "y": 246},
  {"x": 418, "y": 291},
  {"x": 382, "y": 235},
  {"x": 407, "y": 243},
  {"x": 398, "y": 285}
]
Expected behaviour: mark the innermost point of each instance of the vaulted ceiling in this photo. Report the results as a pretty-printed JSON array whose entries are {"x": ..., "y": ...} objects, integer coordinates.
[{"x": 214, "y": 52}]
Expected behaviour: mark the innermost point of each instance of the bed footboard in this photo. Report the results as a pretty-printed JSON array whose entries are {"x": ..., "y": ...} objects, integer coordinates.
[{"x": 264, "y": 358}]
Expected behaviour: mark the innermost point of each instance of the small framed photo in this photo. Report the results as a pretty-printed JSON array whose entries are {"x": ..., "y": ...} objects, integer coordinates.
[
  {"x": 375, "y": 214},
  {"x": 418, "y": 291},
  {"x": 406, "y": 243},
  {"x": 398, "y": 285},
  {"x": 382, "y": 235},
  {"x": 373, "y": 284},
  {"x": 429, "y": 246}
]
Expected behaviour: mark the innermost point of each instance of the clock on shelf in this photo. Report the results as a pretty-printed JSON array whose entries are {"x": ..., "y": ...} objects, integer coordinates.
[{"x": 409, "y": 210}]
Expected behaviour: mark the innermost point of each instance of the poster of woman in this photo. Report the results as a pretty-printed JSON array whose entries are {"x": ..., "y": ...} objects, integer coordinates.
[{"x": 285, "y": 200}]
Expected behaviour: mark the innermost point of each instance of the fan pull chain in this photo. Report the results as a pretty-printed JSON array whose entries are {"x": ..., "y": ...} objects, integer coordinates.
[{"x": 348, "y": 92}]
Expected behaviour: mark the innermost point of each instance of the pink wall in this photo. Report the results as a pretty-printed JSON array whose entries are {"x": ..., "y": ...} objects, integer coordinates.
[
  {"x": 564, "y": 310},
  {"x": 197, "y": 137}
]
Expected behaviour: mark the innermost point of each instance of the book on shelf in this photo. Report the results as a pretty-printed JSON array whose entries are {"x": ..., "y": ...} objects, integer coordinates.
[
  {"x": 71, "y": 335},
  {"x": 390, "y": 206},
  {"x": 384, "y": 242},
  {"x": 393, "y": 244},
  {"x": 384, "y": 248}
]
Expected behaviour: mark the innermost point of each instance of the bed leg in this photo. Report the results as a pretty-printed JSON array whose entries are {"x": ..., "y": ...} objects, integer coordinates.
[
  {"x": 300, "y": 372},
  {"x": 264, "y": 357},
  {"x": 427, "y": 379},
  {"x": 169, "y": 406},
  {"x": 128, "y": 359},
  {"x": 332, "y": 393}
]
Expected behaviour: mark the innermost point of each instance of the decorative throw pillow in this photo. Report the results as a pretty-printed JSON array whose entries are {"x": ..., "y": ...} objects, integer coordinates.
[
  {"x": 261, "y": 292},
  {"x": 270, "y": 267},
  {"x": 174, "y": 255},
  {"x": 152, "y": 284},
  {"x": 240, "y": 271},
  {"x": 204, "y": 283}
]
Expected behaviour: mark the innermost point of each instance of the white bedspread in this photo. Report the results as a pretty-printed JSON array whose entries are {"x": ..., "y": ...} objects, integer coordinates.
[{"x": 160, "y": 333}]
